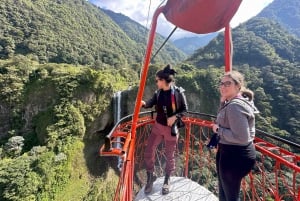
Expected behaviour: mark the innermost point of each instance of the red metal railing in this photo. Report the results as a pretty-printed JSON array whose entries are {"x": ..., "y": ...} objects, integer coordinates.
[{"x": 275, "y": 177}]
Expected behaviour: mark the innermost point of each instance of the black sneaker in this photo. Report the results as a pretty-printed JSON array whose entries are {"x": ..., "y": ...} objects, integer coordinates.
[
  {"x": 166, "y": 185},
  {"x": 149, "y": 185}
]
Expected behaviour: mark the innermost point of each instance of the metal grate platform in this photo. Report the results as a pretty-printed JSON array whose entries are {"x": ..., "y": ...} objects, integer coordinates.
[{"x": 182, "y": 189}]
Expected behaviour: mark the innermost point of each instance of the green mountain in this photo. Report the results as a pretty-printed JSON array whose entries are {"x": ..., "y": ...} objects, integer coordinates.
[
  {"x": 53, "y": 119},
  {"x": 74, "y": 32},
  {"x": 54, "y": 115},
  {"x": 63, "y": 32},
  {"x": 269, "y": 57},
  {"x": 169, "y": 53},
  {"x": 286, "y": 13},
  {"x": 258, "y": 42},
  {"x": 190, "y": 44}
]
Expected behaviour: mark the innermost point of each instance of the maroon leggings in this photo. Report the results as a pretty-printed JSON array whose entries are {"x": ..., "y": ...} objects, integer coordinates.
[{"x": 160, "y": 132}]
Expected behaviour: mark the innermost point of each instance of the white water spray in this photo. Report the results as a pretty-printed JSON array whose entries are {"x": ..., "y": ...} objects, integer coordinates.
[{"x": 117, "y": 117}]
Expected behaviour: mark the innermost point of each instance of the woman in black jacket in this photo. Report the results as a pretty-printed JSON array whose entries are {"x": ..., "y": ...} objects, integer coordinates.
[{"x": 170, "y": 105}]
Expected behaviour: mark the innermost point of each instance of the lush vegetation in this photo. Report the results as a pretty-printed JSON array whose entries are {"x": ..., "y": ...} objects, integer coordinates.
[
  {"x": 169, "y": 53},
  {"x": 69, "y": 31},
  {"x": 49, "y": 146},
  {"x": 61, "y": 62},
  {"x": 284, "y": 12},
  {"x": 258, "y": 42},
  {"x": 269, "y": 57}
]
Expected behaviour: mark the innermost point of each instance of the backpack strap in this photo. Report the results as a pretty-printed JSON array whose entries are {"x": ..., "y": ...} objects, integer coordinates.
[
  {"x": 173, "y": 99},
  {"x": 255, "y": 110}
]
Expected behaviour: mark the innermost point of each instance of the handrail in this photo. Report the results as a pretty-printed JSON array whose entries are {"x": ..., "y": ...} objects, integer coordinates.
[
  {"x": 258, "y": 131},
  {"x": 276, "y": 154},
  {"x": 107, "y": 141}
]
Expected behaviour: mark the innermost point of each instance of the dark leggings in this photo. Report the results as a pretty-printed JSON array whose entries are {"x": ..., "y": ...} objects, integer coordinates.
[{"x": 233, "y": 163}]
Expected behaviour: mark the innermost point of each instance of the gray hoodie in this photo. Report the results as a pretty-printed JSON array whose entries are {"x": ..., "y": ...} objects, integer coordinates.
[{"x": 236, "y": 122}]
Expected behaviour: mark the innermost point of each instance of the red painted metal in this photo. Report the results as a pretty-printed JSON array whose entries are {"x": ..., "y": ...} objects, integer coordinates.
[
  {"x": 262, "y": 184},
  {"x": 259, "y": 185},
  {"x": 129, "y": 163},
  {"x": 125, "y": 185},
  {"x": 201, "y": 16},
  {"x": 187, "y": 149},
  {"x": 281, "y": 155},
  {"x": 144, "y": 73},
  {"x": 228, "y": 48}
]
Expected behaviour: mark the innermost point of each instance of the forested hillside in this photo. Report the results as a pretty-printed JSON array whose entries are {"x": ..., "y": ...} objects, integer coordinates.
[
  {"x": 270, "y": 56},
  {"x": 61, "y": 61},
  {"x": 286, "y": 13},
  {"x": 69, "y": 31},
  {"x": 54, "y": 111},
  {"x": 53, "y": 119},
  {"x": 138, "y": 33},
  {"x": 258, "y": 42}
]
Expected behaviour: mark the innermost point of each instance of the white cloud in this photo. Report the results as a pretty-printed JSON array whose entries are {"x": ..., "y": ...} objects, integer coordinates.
[{"x": 138, "y": 11}]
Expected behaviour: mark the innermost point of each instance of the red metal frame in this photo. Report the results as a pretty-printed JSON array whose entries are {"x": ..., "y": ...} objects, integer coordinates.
[
  {"x": 284, "y": 161},
  {"x": 144, "y": 73},
  {"x": 228, "y": 48},
  {"x": 125, "y": 186},
  {"x": 138, "y": 103}
]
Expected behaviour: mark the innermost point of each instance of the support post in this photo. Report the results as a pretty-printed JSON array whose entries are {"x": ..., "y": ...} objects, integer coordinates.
[
  {"x": 187, "y": 149},
  {"x": 138, "y": 104},
  {"x": 228, "y": 48}
]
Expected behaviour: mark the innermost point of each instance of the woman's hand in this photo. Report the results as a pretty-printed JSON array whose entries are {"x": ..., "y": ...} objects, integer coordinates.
[
  {"x": 215, "y": 128},
  {"x": 171, "y": 120},
  {"x": 143, "y": 103}
]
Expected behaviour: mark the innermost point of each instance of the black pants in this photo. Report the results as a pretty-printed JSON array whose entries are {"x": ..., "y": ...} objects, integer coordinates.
[{"x": 233, "y": 163}]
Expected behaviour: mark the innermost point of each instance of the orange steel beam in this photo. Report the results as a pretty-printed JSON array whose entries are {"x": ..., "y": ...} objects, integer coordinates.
[
  {"x": 145, "y": 69},
  {"x": 264, "y": 149},
  {"x": 187, "y": 149},
  {"x": 126, "y": 144},
  {"x": 260, "y": 144},
  {"x": 228, "y": 48},
  {"x": 129, "y": 168},
  {"x": 125, "y": 185}
]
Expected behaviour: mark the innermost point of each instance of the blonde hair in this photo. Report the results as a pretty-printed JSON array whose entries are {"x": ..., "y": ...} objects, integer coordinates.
[{"x": 238, "y": 79}]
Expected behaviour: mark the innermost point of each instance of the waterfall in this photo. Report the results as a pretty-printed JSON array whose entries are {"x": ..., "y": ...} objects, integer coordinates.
[
  {"x": 117, "y": 109},
  {"x": 117, "y": 106}
]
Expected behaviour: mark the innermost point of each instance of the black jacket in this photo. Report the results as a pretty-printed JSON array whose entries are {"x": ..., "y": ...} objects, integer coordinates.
[{"x": 180, "y": 101}]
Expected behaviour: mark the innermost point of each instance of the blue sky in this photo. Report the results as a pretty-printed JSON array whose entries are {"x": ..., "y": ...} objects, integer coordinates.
[{"x": 138, "y": 11}]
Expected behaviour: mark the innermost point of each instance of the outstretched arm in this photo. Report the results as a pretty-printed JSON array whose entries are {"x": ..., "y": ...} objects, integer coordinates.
[{"x": 151, "y": 102}]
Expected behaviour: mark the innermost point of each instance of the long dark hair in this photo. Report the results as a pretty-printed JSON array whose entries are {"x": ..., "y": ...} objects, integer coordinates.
[{"x": 167, "y": 74}]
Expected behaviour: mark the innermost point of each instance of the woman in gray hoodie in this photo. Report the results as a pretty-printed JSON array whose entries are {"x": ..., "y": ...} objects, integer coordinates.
[{"x": 235, "y": 125}]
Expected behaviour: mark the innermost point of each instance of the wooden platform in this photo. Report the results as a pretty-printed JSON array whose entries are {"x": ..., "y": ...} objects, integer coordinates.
[{"x": 182, "y": 189}]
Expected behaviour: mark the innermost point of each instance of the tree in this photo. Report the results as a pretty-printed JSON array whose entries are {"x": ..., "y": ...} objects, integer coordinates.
[
  {"x": 17, "y": 180},
  {"x": 14, "y": 146}
]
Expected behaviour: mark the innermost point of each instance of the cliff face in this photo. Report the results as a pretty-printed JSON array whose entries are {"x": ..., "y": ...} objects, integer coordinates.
[
  {"x": 200, "y": 88},
  {"x": 30, "y": 104},
  {"x": 62, "y": 113}
]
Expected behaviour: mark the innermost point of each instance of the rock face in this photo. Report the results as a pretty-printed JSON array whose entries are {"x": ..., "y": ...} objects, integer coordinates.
[
  {"x": 43, "y": 99},
  {"x": 194, "y": 99}
]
